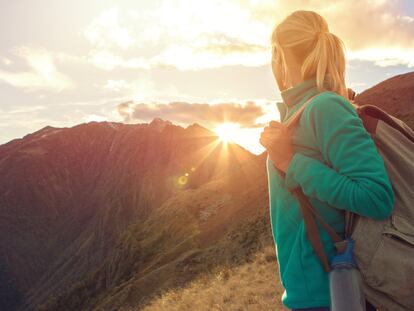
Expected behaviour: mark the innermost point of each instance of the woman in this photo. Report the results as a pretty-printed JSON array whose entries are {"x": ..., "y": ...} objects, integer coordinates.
[{"x": 329, "y": 155}]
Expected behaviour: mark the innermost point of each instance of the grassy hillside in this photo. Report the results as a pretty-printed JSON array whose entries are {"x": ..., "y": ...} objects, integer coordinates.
[
  {"x": 237, "y": 273},
  {"x": 194, "y": 234},
  {"x": 253, "y": 286}
]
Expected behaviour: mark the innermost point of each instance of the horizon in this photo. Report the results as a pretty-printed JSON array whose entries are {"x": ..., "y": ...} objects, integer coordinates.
[{"x": 131, "y": 62}]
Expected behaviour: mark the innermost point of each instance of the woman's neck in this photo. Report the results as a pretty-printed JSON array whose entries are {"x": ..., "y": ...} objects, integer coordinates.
[{"x": 295, "y": 76}]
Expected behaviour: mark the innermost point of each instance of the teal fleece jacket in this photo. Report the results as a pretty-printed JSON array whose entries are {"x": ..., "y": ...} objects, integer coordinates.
[{"x": 338, "y": 167}]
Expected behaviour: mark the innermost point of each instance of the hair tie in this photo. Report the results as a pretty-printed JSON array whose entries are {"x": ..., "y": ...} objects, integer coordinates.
[{"x": 318, "y": 33}]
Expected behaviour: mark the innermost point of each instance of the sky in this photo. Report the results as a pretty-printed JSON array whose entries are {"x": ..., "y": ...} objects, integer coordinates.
[{"x": 64, "y": 63}]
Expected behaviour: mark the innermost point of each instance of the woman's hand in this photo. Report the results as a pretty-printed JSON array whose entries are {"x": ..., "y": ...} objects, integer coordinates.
[{"x": 276, "y": 138}]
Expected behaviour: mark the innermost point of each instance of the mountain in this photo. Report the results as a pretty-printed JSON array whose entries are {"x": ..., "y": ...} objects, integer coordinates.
[
  {"x": 159, "y": 124},
  {"x": 73, "y": 199},
  {"x": 394, "y": 95},
  {"x": 112, "y": 216}
]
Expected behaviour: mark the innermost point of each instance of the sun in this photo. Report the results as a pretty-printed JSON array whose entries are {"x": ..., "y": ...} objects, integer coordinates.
[{"x": 227, "y": 132}]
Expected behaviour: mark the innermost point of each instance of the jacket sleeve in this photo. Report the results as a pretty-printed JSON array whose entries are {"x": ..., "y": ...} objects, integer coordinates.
[{"x": 357, "y": 179}]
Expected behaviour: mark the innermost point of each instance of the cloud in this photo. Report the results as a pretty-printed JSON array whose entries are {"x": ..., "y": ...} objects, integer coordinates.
[
  {"x": 193, "y": 35},
  {"x": 117, "y": 85},
  {"x": 179, "y": 34},
  {"x": 26, "y": 109},
  {"x": 385, "y": 57},
  {"x": 43, "y": 75},
  {"x": 106, "y": 31},
  {"x": 188, "y": 113},
  {"x": 141, "y": 89},
  {"x": 190, "y": 58},
  {"x": 108, "y": 60}
]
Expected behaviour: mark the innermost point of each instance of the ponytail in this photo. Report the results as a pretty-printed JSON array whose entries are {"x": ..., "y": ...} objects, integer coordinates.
[{"x": 320, "y": 52}]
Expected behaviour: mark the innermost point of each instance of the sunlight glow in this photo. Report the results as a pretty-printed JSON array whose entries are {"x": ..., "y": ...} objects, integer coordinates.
[
  {"x": 180, "y": 33},
  {"x": 227, "y": 132}
]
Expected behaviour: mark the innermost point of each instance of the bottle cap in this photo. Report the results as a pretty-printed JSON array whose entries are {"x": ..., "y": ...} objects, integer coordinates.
[{"x": 345, "y": 258}]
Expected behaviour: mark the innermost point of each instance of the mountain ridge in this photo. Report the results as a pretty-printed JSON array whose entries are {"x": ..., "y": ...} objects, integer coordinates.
[{"x": 71, "y": 180}]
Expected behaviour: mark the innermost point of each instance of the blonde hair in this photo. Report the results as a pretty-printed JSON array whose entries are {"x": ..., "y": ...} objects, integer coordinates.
[{"x": 321, "y": 53}]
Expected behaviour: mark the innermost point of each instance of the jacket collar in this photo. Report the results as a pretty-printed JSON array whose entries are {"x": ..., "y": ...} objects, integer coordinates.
[{"x": 296, "y": 95}]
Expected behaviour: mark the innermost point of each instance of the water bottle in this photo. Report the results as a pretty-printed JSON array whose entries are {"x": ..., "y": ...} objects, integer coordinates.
[{"x": 345, "y": 282}]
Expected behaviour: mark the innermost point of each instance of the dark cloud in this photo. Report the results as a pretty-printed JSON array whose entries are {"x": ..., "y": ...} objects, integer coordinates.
[{"x": 188, "y": 113}]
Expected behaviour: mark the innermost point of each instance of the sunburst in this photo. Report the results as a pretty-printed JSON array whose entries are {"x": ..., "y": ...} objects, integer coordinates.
[{"x": 227, "y": 132}]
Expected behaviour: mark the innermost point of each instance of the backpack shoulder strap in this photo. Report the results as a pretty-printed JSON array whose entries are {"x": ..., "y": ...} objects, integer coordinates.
[
  {"x": 293, "y": 120},
  {"x": 309, "y": 214}
]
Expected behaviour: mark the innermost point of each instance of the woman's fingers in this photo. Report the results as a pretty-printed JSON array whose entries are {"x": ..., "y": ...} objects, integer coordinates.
[
  {"x": 281, "y": 127},
  {"x": 271, "y": 133},
  {"x": 273, "y": 128},
  {"x": 266, "y": 142},
  {"x": 276, "y": 130},
  {"x": 276, "y": 124},
  {"x": 266, "y": 139},
  {"x": 277, "y": 136}
]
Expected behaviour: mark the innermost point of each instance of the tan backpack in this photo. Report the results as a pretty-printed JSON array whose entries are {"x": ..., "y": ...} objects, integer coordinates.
[{"x": 384, "y": 250}]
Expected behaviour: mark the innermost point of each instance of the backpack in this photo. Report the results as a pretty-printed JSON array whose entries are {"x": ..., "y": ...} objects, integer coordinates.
[{"x": 383, "y": 249}]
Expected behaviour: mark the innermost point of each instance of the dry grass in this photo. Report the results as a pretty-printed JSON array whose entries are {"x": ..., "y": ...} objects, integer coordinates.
[{"x": 251, "y": 286}]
